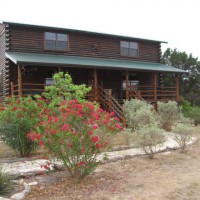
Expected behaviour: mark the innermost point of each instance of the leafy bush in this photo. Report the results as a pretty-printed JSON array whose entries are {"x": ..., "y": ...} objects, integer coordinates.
[
  {"x": 148, "y": 137},
  {"x": 169, "y": 113},
  {"x": 192, "y": 112},
  {"x": 6, "y": 183},
  {"x": 65, "y": 89},
  {"x": 182, "y": 135},
  {"x": 16, "y": 120},
  {"x": 138, "y": 113},
  {"x": 73, "y": 136}
]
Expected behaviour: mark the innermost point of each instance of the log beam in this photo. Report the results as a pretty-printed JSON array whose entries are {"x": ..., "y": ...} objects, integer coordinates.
[
  {"x": 177, "y": 87},
  {"x": 19, "y": 80},
  {"x": 127, "y": 84},
  {"x": 155, "y": 86}
]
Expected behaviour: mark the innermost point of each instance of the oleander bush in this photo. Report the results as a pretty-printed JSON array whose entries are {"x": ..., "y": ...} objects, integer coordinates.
[
  {"x": 17, "y": 118},
  {"x": 74, "y": 137}
]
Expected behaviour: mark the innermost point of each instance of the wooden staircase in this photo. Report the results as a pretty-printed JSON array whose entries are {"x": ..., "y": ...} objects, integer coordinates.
[{"x": 109, "y": 103}]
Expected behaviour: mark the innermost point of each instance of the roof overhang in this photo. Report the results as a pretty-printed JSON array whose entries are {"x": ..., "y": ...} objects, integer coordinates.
[{"x": 77, "y": 61}]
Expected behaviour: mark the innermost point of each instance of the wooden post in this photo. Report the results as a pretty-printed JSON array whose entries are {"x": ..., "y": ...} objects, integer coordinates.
[
  {"x": 177, "y": 87},
  {"x": 127, "y": 85},
  {"x": 155, "y": 86},
  {"x": 19, "y": 80},
  {"x": 12, "y": 89},
  {"x": 95, "y": 85},
  {"x": 110, "y": 100}
]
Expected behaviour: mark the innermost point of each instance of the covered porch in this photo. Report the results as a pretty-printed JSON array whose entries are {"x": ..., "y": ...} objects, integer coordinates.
[{"x": 120, "y": 79}]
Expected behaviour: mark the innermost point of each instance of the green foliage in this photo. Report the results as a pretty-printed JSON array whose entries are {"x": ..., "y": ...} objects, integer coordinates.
[
  {"x": 169, "y": 113},
  {"x": 189, "y": 83},
  {"x": 139, "y": 113},
  {"x": 182, "y": 135},
  {"x": 65, "y": 89},
  {"x": 74, "y": 135},
  {"x": 148, "y": 137},
  {"x": 6, "y": 184},
  {"x": 16, "y": 120},
  {"x": 192, "y": 112}
]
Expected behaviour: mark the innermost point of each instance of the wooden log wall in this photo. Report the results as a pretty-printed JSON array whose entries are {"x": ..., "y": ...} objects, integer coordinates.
[
  {"x": 31, "y": 40},
  {"x": 4, "y": 63}
]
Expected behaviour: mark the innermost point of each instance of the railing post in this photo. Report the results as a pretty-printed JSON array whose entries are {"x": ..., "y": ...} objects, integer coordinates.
[
  {"x": 110, "y": 99},
  {"x": 95, "y": 85},
  {"x": 155, "y": 86},
  {"x": 127, "y": 85},
  {"x": 12, "y": 89},
  {"x": 177, "y": 87},
  {"x": 19, "y": 80}
]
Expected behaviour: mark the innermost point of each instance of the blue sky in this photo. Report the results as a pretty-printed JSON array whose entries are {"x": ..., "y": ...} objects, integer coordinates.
[{"x": 174, "y": 21}]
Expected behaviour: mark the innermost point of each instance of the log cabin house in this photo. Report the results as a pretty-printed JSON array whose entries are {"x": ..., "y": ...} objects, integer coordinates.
[{"x": 117, "y": 67}]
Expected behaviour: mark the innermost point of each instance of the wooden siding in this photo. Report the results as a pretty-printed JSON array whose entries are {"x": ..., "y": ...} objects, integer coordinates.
[
  {"x": 31, "y": 40},
  {"x": 4, "y": 63}
]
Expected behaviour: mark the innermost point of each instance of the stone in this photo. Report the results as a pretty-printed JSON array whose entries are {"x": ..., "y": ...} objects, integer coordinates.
[
  {"x": 32, "y": 183},
  {"x": 20, "y": 195},
  {"x": 2, "y": 198}
]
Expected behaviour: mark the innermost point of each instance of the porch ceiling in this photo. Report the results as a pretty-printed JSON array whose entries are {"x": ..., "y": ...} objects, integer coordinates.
[{"x": 62, "y": 60}]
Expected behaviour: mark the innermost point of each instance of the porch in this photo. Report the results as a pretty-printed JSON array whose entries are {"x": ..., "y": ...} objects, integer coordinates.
[{"x": 112, "y": 81}]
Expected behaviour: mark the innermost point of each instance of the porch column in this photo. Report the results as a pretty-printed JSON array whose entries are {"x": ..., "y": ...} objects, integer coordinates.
[
  {"x": 19, "y": 80},
  {"x": 95, "y": 85},
  {"x": 127, "y": 85},
  {"x": 155, "y": 86},
  {"x": 177, "y": 87}
]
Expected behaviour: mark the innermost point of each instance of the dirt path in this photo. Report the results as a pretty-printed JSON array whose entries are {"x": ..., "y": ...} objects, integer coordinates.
[{"x": 171, "y": 176}]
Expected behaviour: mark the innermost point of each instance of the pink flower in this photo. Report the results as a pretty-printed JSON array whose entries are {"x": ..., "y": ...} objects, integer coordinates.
[
  {"x": 74, "y": 132},
  {"x": 80, "y": 163}
]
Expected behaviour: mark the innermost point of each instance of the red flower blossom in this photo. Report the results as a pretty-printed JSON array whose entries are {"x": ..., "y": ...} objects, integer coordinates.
[
  {"x": 83, "y": 150},
  {"x": 41, "y": 143},
  {"x": 98, "y": 146},
  {"x": 65, "y": 127},
  {"x": 90, "y": 133},
  {"x": 81, "y": 163},
  {"x": 95, "y": 139},
  {"x": 95, "y": 126}
]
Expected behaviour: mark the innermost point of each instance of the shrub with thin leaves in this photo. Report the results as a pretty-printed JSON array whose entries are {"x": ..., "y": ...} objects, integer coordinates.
[
  {"x": 182, "y": 135},
  {"x": 6, "y": 184},
  {"x": 138, "y": 113},
  {"x": 17, "y": 119},
  {"x": 148, "y": 137},
  {"x": 169, "y": 113}
]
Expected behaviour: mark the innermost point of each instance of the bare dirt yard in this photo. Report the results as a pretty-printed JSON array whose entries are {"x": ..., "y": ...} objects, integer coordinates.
[{"x": 172, "y": 176}]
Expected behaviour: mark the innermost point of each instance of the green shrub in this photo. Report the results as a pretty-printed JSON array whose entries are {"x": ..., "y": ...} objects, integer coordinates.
[
  {"x": 182, "y": 135},
  {"x": 65, "y": 89},
  {"x": 139, "y": 113},
  {"x": 148, "y": 137},
  {"x": 6, "y": 184},
  {"x": 169, "y": 113},
  {"x": 16, "y": 120},
  {"x": 74, "y": 136},
  {"x": 192, "y": 112}
]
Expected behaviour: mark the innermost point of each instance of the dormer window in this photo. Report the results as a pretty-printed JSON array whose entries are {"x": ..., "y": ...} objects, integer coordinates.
[
  {"x": 129, "y": 49},
  {"x": 56, "y": 41}
]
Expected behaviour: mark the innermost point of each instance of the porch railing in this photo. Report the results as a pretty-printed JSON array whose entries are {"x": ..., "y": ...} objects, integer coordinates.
[{"x": 149, "y": 93}]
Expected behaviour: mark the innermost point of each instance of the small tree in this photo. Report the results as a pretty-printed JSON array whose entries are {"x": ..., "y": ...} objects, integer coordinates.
[
  {"x": 182, "y": 135},
  {"x": 64, "y": 88},
  {"x": 169, "y": 113}
]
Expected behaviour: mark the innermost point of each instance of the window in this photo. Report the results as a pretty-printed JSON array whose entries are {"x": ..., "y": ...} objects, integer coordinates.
[
  {"x": 56, "y": 41},
  {"x": 129, "y": 49}
]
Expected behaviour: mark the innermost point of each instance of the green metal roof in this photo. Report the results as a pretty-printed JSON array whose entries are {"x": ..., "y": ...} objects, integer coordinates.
[
  {"x": 76, "y": 61},
  {"x": 79, "y": 31}
]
